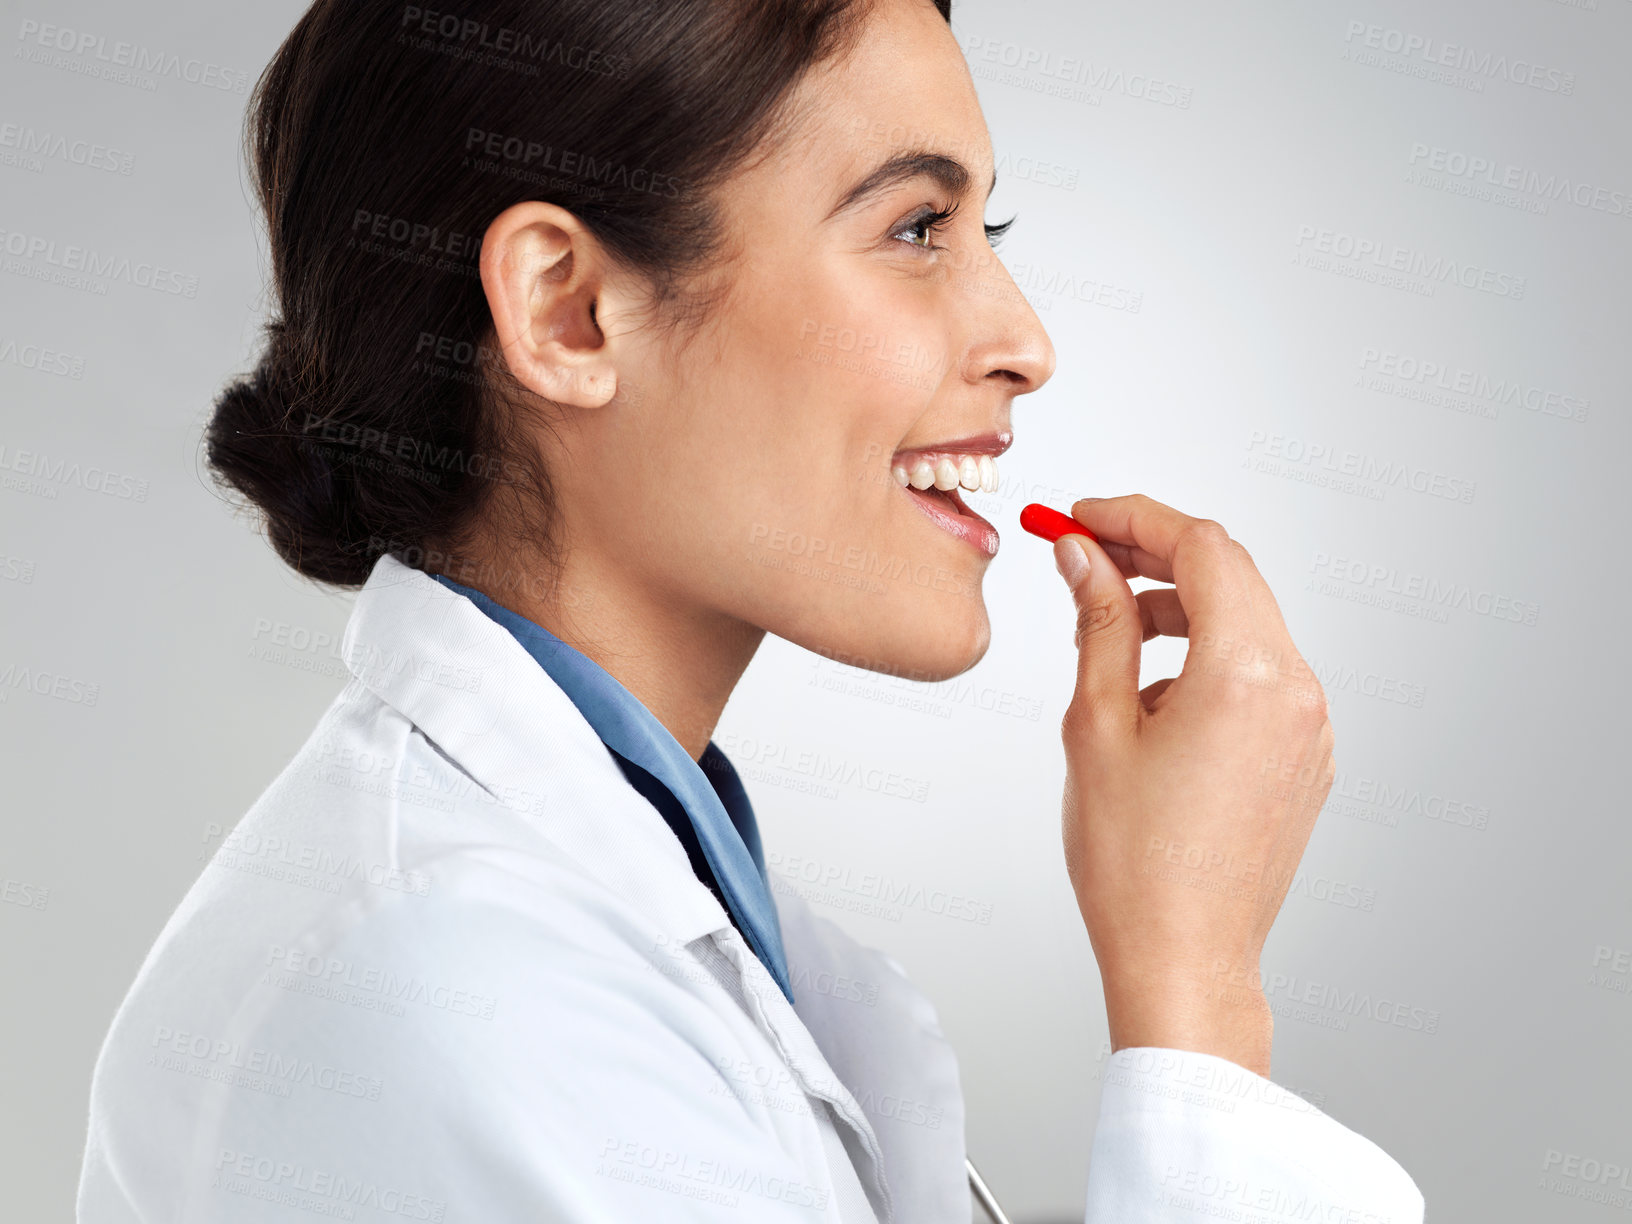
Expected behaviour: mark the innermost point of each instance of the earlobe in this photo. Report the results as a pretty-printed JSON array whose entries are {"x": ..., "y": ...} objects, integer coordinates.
[{"x": 541, "y": 274}]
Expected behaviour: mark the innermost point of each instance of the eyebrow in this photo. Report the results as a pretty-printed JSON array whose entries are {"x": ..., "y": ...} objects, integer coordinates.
[{"x": 951, "y": 174}]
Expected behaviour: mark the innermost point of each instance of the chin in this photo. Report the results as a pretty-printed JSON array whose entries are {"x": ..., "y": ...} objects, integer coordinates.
[{"x": 929, "y": 641}]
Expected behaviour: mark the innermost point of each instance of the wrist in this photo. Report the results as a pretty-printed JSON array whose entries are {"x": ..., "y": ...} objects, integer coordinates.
[{"x": 1232, "y": 1022}]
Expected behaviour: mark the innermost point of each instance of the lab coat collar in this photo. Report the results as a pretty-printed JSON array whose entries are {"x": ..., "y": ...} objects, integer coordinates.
[
  {"x": 709, "y": 791},
  {"x": 477, "y": 694},
  {"x": 473, "y": 690}
]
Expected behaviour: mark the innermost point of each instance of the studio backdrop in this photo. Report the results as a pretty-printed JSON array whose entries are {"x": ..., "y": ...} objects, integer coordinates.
[{"x": 1350, "y": 279}]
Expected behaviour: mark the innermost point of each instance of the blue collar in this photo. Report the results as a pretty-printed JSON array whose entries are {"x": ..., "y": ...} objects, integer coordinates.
[{"x": 703, "y": 800}]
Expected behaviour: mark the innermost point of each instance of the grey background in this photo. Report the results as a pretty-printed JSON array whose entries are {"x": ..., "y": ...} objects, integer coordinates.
[{"x": 1243, "y": 354}]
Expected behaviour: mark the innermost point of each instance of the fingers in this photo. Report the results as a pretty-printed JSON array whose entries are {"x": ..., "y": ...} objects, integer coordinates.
[
  {"x": 1110, "y": 626},
  {"x": 1218, "y": 586},
  {"x": 1161, "y": 613},
  {"x": 1151, "y": 693},
  {"x": 1135, "y": 562}
]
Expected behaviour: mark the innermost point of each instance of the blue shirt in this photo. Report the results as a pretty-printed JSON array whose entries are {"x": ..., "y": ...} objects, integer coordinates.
[{"x": 703, "y": 800}]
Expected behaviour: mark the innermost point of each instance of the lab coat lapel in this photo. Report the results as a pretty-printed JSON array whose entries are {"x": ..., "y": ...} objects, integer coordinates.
[
  {"x": 882, "y": 1037},
  {"x": 487, "y": 705}
]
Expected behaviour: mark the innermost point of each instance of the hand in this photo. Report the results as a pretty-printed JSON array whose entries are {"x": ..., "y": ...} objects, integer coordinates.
[{"x": 1187, "y": 805}]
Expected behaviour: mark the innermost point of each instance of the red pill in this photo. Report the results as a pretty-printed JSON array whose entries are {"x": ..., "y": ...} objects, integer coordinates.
[{"x": 1051, "y": 524}]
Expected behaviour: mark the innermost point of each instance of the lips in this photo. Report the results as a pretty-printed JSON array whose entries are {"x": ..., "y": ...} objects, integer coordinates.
[
  {"x": 947, "y": 509},
  {"x": 993, "y": 443},
  {"x": 970, "y": 462},
  {"x": 941, "y": 498}
]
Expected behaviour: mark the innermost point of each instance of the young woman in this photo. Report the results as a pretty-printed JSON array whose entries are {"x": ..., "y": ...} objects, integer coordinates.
[{"x": 558, "y": 371}]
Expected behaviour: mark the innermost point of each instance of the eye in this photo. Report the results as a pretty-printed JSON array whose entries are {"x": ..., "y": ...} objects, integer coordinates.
[
  {"x": 928, "y": 222},
  {"x": 932, "y": 221}
]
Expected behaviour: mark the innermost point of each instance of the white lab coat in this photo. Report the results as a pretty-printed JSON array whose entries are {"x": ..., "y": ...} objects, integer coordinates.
[{"x": 451, "y": 966}]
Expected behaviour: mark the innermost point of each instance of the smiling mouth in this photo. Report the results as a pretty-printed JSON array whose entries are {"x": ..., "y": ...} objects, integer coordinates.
[
  {"x": 969, "y": 463},
  {"x": 947, "y": 509},
  {"x": 936, "y": 477}
]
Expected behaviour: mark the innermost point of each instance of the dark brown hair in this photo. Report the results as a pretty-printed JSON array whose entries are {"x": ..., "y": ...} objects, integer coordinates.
[{"x": 383, "y": 138}]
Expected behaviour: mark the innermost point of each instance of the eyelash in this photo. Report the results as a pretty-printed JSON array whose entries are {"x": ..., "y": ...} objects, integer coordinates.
[{"x": 935, "y": 219}]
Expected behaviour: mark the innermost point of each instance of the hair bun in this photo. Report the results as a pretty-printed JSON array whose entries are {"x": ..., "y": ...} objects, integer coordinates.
[{"x": 259, "y": 442}]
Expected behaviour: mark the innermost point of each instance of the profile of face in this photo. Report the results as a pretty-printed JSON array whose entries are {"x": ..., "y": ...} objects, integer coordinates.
[{"x": 748, "y": 474}]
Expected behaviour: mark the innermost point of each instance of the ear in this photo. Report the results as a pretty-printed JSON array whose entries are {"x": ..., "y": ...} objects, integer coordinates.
[{"x": 543, "y": 272}]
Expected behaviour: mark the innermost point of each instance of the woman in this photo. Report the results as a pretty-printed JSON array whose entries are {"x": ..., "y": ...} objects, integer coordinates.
[{"x": 568, "y": 292}]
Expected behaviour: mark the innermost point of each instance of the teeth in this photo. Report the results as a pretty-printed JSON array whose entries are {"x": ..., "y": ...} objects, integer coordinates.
[{"x": 977, "y": 473}]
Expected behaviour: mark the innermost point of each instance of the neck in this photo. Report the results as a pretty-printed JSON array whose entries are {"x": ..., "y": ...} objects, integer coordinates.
[{"x": 680, "y": 662}]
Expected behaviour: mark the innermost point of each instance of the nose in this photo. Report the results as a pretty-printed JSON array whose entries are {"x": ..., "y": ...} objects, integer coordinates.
[{"x": 1007, "y": 340}]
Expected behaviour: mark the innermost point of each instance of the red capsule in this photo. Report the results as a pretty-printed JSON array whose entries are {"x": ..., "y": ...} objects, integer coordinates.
[{"x": 1051, "y": 524}]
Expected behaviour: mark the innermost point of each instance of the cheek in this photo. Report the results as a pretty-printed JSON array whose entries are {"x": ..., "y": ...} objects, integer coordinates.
[
  {"x": 824, "y": 381},
  {"x": 876, "y": 358},
  {"x": 808, "y": 388}
]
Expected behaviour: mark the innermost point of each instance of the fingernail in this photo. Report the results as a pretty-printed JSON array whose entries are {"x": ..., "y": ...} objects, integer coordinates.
[{"x": 1071, "y": 558}]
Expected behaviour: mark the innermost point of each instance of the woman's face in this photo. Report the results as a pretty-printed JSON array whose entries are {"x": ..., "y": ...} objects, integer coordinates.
[{"x": 748, "y": 471}]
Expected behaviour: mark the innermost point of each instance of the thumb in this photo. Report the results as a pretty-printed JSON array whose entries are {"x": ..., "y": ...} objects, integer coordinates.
[{"x": 1108, "y": 637}]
